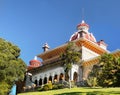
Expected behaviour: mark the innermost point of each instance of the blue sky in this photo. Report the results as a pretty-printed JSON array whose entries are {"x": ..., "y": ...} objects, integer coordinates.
[{"x": 31, "y": 23}]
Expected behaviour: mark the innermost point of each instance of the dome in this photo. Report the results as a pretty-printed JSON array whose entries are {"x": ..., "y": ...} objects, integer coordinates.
[
  {"x": 82, "y": 24},
  {"x": 34, "y": 63},
  {"x": 74, "y": 36},
  {"x": 83, "y": 32},
  {"x": 90, "y": 37}
]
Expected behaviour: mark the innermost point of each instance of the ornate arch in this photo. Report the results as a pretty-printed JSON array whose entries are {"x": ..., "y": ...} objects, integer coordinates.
[{"x": 75, "y": 76}]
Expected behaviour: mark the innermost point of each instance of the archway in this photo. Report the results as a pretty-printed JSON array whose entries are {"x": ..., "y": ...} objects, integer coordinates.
[
  {"x": 45, "y": 80},
  {"x": 36, "y": 82},
  {"x": 61, "y": 76},
  {"x": 55, "y": 78},
  {"x": 50, "y": 79},
  {"x": 75, "y": 77},
  {"x": 40, "y": 81}
]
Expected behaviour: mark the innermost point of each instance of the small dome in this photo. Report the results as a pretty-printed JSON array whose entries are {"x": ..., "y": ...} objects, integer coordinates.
[
  {"x": 82, "y": 24},
  {"x": 34, "y": 63}
]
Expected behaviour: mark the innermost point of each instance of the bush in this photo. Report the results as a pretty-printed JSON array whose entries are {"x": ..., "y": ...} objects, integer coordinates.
[
  {"x": 45, "y": 87},
  {"x": 55, "y": 86},
  {"x": 39, "y": 89},
  {"x": 48, "y": 86},
  {"x": 61, "y": 86}
]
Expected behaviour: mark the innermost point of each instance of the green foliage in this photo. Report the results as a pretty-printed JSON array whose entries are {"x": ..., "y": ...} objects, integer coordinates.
[
  {"x": 45, "y": 87},
  {"x": 71, "y": 56},
  {"x": 59, "y": 86},
  {"x": 48, "y": 86},
  {"x": 55, "y": 86},
  {"x": 108, "y": 73},
  {"x": 92, "y": 79},
  {"x": 4, "y": 88},
  {"x": 12, "y": 68}
]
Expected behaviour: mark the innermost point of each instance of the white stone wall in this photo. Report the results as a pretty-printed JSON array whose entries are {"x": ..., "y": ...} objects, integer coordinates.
[
  {"x": 47, "y": 73},
  {"x": 75, "y": 68},
  {"x": 87, "y": 53}
]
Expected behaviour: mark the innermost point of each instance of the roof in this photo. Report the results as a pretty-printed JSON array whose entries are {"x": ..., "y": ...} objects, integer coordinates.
[{"x": 79, "y": 42}]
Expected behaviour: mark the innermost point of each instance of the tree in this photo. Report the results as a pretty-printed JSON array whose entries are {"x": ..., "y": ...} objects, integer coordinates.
[
  {"x": 71, "y": 56},
  {"x": 92, "y": 79},
  {"x": 12, "y": 68},
  {"x": 110, "y": 71}
]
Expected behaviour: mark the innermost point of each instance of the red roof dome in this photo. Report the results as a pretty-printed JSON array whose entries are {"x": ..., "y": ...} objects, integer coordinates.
[
  {"x": 34, "y": 63},
  {"x": 83, "y": 24},
  {"x": 90, "y": 37},
  {"x": 76, "y": 36}
]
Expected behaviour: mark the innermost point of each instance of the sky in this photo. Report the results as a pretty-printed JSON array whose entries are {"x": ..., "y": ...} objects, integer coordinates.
[{"x": 31, "y": 23}]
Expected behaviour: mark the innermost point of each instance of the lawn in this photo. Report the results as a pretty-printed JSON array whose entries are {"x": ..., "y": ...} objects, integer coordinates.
[{"x": 78, "y": 91}]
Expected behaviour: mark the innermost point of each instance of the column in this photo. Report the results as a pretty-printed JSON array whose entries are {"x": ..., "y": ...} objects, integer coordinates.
[
  {"x": 42, "y": 81},
  {"x": 37, "y": 82},
  {"x": 47, "y": 79},
  {"x": 52, "y": 79},
  {"x": 63, "y": 76},
  {"x": 58, "y": 78}
]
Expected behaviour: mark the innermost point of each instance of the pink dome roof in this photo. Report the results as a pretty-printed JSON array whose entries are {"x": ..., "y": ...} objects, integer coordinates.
[
  {"x": 83, "y": 24},
  {"x": 75, "y": 37},
  {"x": 34, "y": 63},
  {"x": 90, "y": 37}
]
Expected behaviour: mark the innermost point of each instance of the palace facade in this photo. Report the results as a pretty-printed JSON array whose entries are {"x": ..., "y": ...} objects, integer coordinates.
[{"x": 50, "y": 69}]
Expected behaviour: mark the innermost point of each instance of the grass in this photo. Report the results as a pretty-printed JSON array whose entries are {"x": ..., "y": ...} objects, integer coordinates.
[{"x": 78, "y": 91}]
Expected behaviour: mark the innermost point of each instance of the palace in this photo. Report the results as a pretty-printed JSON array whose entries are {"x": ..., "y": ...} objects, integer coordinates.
[{"x": 50, "y": 69}]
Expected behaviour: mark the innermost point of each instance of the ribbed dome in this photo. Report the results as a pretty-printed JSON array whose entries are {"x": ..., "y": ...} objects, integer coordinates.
[
  {"x": 34, "y": 63},
  {"x": 82, "y": 24}
]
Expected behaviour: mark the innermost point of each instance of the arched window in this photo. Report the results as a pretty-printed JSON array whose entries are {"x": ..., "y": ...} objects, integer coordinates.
[
  {"x": 36, "y": 82},
  {"x": 40, "y": 81},
  {"x": 45, "y": 80},
  {"x": 75, "y": 77},
  {"x": 50, "y": 79},
  {"x": 55, "y": 78},
  {"x": 61, "y": 77}
]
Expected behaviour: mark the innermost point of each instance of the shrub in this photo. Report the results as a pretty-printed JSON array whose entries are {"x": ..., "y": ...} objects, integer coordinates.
[
  {"x": 48, "y": 86},
  {"x": 61, "y": 86},
  {"x": 55, "y": 86},
  {"x": 39, "y": 89},
  {"x": 45, "y": 87}
]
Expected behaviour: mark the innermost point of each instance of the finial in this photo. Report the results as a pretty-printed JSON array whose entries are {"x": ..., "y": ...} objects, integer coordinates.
[
  {"x": 35, "y": 58},
  {"x": 82, "y": 13},
  {"x": 83, "y": 21}
]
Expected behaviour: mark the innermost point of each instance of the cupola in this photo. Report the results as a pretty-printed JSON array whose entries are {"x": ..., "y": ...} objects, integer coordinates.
[
  {"x": 34, "y": 63},
  {"x": 83, "y": 26}
]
